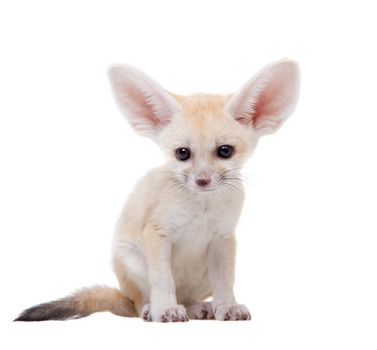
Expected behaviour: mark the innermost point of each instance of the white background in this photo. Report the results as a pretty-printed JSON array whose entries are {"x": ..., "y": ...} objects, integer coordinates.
[{"x": 307, "y": 239}]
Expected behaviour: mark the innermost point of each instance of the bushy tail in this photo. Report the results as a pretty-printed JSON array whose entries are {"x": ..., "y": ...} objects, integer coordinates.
[{"x": 80, "y": 304}]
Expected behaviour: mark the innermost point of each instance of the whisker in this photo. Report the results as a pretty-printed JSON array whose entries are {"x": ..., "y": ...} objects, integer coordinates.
[
  {"x": 236, "y": 179},
  {"x": 231, "y": 186}
]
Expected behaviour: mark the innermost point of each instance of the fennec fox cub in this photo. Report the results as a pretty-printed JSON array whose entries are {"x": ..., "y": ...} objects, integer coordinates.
[{"x": 174, "y": 245}]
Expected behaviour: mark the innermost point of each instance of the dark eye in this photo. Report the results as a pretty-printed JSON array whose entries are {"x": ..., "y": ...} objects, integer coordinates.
[
  {"x": 225, "y": 151},
  {"x": 182, "y": 153}
]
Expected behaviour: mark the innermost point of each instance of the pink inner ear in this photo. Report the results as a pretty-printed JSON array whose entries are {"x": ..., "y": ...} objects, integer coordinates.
[
  {"x": 269, "y": 104},
  {"x": 147, "y": 106},
  {"x": 268, "y": 99},
  {"x": 141, "y": 106}
]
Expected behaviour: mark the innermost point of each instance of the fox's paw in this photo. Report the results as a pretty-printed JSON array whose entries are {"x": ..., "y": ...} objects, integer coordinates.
[
  {"x": 233, "y": 312},
  {"x": 176, "y": 313},
  {"x": 146, "y": 313},
  {"x": 201, "y": 311}
]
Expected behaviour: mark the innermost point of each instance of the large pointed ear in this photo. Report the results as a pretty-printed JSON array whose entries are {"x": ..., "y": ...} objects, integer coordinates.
[
  {"x": 269, "y": 98},
  {"x": 147, "y": 106}
]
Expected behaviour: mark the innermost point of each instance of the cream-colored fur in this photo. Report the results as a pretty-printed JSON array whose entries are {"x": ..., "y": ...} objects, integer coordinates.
[{"x": 174, "y": 245}]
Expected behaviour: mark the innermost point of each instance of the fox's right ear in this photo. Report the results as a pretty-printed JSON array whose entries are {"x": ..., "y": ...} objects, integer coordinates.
[
  {"x": 147, "y": 106},
  {"x": 269, "y": 98}
]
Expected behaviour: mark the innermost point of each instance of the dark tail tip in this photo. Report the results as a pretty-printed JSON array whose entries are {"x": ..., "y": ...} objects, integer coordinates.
[{"x": 54, "y": 310}]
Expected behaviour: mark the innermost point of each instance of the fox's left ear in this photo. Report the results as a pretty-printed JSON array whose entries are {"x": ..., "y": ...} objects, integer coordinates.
[
  {"x": 147, "y": 106},
  {"x": 269, "y": 98}
]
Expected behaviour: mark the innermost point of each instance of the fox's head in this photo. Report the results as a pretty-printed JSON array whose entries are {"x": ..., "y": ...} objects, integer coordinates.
[{"x": 208, "y": 138}]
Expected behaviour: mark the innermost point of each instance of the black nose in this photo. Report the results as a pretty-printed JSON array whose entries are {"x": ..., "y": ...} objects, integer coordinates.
[{"x": 203, "y": 182}]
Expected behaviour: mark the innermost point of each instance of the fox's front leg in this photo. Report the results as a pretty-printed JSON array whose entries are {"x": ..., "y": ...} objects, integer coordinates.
[
  {"x": 222, "y": 255},
  {"x": 163, "y": 301}
]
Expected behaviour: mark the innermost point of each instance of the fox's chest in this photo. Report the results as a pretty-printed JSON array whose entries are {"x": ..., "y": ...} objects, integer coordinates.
[
  {"x": 191, "y": 240},
  {"x": 194, "y": 228},
  {"x": 198, "y": 222}
]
